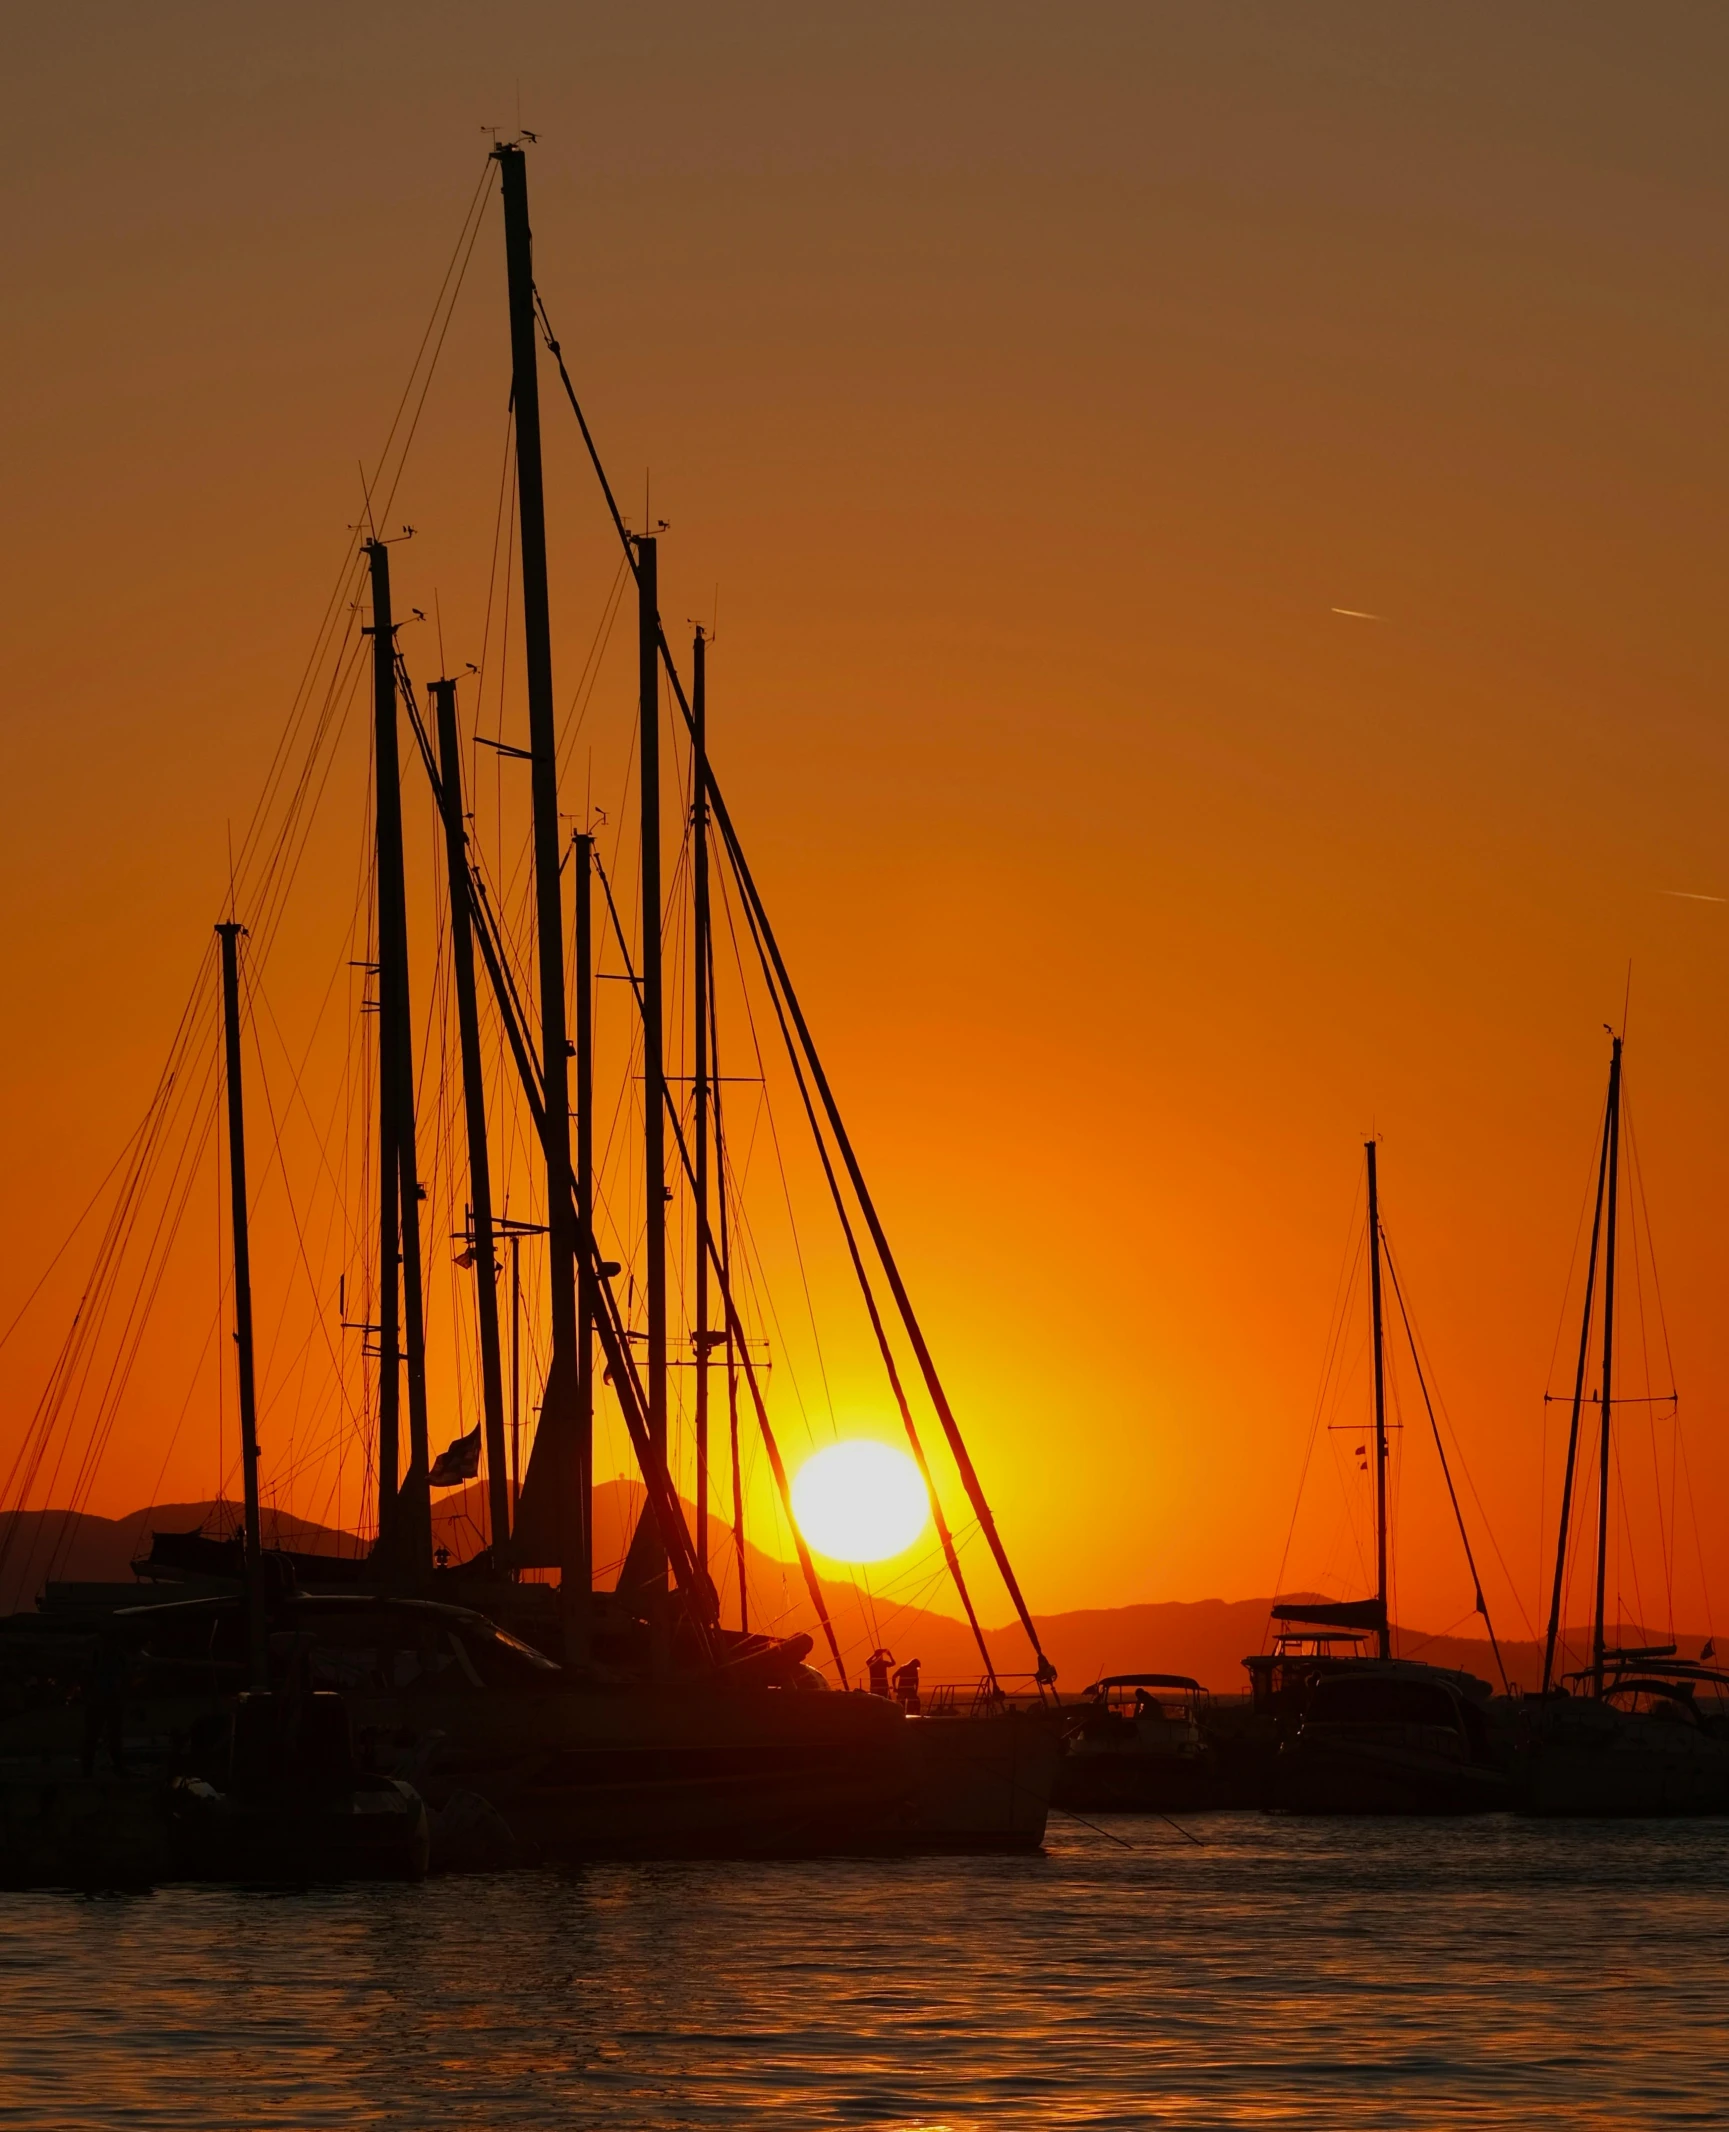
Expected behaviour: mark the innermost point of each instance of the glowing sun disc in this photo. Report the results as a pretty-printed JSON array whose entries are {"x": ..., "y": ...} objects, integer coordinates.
[{"x": 860, "y": 1501}]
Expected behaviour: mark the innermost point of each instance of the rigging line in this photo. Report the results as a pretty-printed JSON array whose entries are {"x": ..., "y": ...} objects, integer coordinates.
[
  {"x": 1424, "y": 1643},
  {"x": 723, "y": 1276},
  {"x": 692, "y": 1581},
  {"x": 297, "y": 711},
  {"x": 66, "y": 1244},
  {"x": 867, "y": 1206},
  {"x": 472, "y": 214},
  {"x": 270, "y": 899},
  {"x": 883, "y": 1346},
  {"x": 89, "y": 1316},
  {"x": 489, "y": 934},
  {"x": 1667, "y": 1533},
  {"x": 304, "y": 704},
  {"x": 266, "y": 897},
  {"x": 198, "y": 1366},
  {"x": 779, "y": 1155},
  {"x": 557, "y": 353},
  {"x": 440, "y": 928},
  {"x": 1471, "y": 1485},
  {"x": 339, "y": 1215},
  {"x": 722, "y": 1157},
  {"x": 504, "y": 485},
  {"x": 279, "y": 1160},
  {"x": 186, "y": 1162},
  {"x": 341, "y": 601},
  {"x": 747, "y": 1227},
  {"x": 879, "y": 1237},
  {"x": 320, "y": 1134},
  {"x": 1650, "y": 1405},
  {"x": 221, "y": 1402},
  {"x": 753, "y": 1268},
  {"x": 1698, "y": 1542},
  {"x": 1624, "y": 1541},
  {"x": 1567, "y": 1482},
  {"x": 431, "y": 369},
  {"x": 582, "y": 696},
  {"x": 1349, "y": 1262},
  {"x": 1650, "y": 1237},
  {"x": 1549, "y": 1373},
  {"x": 132, "y": 1338},
  {"x": 133, "y": 1334},
  {"x": 53, "y": 1399},
  {"x": 506, "y": 505},
  {"x": 1441, "y": 1450}
]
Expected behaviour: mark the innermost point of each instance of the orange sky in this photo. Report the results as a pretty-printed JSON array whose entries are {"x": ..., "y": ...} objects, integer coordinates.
[{"x": 1034, "y": 385}]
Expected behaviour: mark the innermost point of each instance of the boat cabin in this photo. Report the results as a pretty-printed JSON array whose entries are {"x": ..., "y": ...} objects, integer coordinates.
[
  {"x": 1654, "y": 1682},
  {"x": 1160, "y": 1712},
  {"x": 1281, "y": 1679}
]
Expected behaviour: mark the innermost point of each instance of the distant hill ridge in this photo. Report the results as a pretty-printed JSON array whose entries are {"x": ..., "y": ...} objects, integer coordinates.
[{"x": 1204, "y": 1638}]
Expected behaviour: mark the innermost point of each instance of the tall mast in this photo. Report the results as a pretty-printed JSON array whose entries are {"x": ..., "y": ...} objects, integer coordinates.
[
  {"x": 653, "y": 1057},
  {"x": 386, "y": 862},
  {"x": 699, "y": 1019},
  {"x": 549, "y": 911},
  {"x": 1384, "y": 1630},
  {"x": 506, "y": 1230},
  {"x": 1607, "y": 1391},
  {"x": 515, "y": 1372},
  {"x": 1549, "y": 1642},
  {"x": 582, "y": 852},
  {"x": 481, "y": 1241},
  {"x": 406, "y": 1534},
  {"x": 257, "y": 1644},
  {"x": 770, "y": 950},
  {"x": 724, "y": 1239}
]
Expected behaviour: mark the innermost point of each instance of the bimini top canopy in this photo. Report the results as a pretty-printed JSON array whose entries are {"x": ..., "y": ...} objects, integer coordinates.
[
  {"x": 1326, "y": 1614},
  {"x": 1146, "y": 1680}
]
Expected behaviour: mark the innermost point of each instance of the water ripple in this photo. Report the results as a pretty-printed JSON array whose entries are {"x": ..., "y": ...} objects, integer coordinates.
[{"x": 1489, "y": 1973}]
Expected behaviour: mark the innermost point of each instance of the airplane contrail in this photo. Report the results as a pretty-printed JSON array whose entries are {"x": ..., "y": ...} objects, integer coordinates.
[
  {"x": 1692, "y": 895},
  {"x": 1359, "y": 614}
]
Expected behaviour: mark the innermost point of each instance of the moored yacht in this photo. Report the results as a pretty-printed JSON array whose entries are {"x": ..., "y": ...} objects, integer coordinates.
[
  {"x": 1338, "y": 1723},
  {"x": 646, "y": 1724},
  {"x": 1636, "y": 1731}
]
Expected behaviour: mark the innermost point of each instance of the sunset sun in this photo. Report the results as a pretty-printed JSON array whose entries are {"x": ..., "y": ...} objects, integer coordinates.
[{"x": 860, "y": 1501}]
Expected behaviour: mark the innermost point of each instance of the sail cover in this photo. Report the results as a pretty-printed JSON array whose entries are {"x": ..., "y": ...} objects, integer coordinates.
[
  {"x": 1322, "y": 1614},
  {"x": 537, "y": 1534}
]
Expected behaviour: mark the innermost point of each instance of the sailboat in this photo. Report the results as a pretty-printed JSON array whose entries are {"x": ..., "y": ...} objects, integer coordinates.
[
  {"x": 587, "y": 1720},
  {"x": 1625, "y": 1734},
  {"x": 1351, "y": 1727}
]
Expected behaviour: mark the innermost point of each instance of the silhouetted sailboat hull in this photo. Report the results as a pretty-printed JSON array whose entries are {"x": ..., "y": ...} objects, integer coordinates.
[
  {"x": 981, "y": 1782},
  {"x": 1382, "y": 1736},
  {"x": 374, "y": 1831},
  {"x": 628, "y": 1774},
  {"x": 644, "y": 1771},
  {"x": 59, "y": 1829},
  {"x": 647, "y": 1773},
  {"x": 1583, "y": 1758},
  {"x": 1393, "y": 1775},
  {"x": 518, "y": 1759}
]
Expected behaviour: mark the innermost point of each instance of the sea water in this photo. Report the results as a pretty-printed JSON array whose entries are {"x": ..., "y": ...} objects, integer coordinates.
[{"x": 1272, "y": 1972}]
